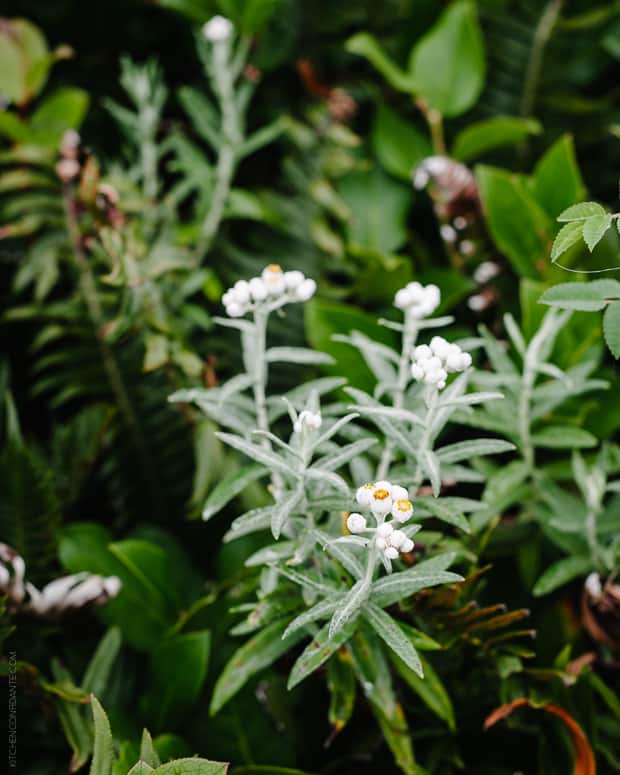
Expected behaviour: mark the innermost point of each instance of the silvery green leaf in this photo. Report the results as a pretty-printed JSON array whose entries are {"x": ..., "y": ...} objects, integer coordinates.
[
  {"x": 321, "y": 610},
  {"x": 390, "y": 430},
  {"x": 391, "y": 324},
  {"x": 297, "y": 355},
  {"x": 437, "y": 563},
  {"x": 563, "y": 437},
  {"x": 445, "y": 513},
  {"x": 472, "y": 398},
  {"x": 299, "y": 395},
  {"x": 466, "y": 505},
  {"x": 351, "y": 540},
  {"x": 496, "y": 353},
  {"x": 348, "y": 561},
  {"x": 446, "y": 320},
  {"x": 378, "y": 357},
  {"x": 229, "y": 487},
  {"x": 284, "y": 507},
  {"x": 235, "y": 385},
  {"x": 330, "y": 477},
  {"x": 333, "y": 429},
  {"x": 549, "y": 370},
  {"x": 542, "y": 342},
  {"x": 514, "y": 332},
  {"x": 270, "y": 554},
  {"x": 351, "y": 606},
  {"x": 239, "y": 323},
  {"x": 318, "y": 651},
  {"x": 431, "y": 465},
  {"x": 305, "y": 581},
  {"x": 390, "y": 412},
  {"x": 257, "y": 453},
  {"x": 459, "y": 473},
  {"x": 331, "y": 503},
  {"x": 346, "y": 453},
  {"x": 391, "y": 589},
  {"x": 613, "y": 486},
  {"x": 277, "y": 441},
  {"x": 250, "y": 522},
  {"x": 389, "y": 631},
  {"x": 464, "y": 450},
  {"x": 485, "y": 420}
]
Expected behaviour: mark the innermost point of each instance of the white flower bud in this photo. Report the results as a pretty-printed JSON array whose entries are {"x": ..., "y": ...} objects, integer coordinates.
[
  {"x": 356, "y": 523},
  {"x": 407, "y": 546},
  {"x": 235, "y": 310},
  {"x": 217, "y": 29},
  {"x": 364, "y": 494},
  {"x": 308, "y": 419},
  {"x": 306, "y": 290},
  {"x": 258, "y": 289},
  {"x": 293, "y": 279},
  {"x": 417, "y": 372},
  {"x": 273, "y": 277},
  {"x": 380, "y": 543},
  {"x": 241, "y": 290},
  {"x": 391, "y": 553},
  {"x": 399, "y": 493},
  {"x": 397, "y": 539},
  {"x": 422, "y": 352},
  {"x": 402, "y": 299},
  {"x": 385, "y": 530},
  {"x": 439, "y": 346}
]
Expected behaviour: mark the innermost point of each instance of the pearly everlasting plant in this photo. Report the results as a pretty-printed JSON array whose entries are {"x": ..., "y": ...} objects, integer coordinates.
[{"x": 344, "y": 554}]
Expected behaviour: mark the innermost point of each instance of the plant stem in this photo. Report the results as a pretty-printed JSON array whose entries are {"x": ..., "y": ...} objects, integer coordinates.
[
  {"x": 524, "y": 416},
  {"x": 90, "y": 295},
  {"x": 431, "y": 411},
  {"x": 410, "y": 334}
]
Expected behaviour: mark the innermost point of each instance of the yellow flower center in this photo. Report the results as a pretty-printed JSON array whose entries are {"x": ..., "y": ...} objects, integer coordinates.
[
  {"x": 403, "y": 505},
  {"x": 274, "y": 268},
  {"x": 381, "y": 495}
]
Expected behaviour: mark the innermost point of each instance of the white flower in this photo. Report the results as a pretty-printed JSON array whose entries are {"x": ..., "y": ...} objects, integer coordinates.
[
  {"x": 273, "y": 277},
  {"x": 419, "y": 300},
  {"x": 402, "y": 509},
  {"x": 432, "y": 364},
  {"x": 306, "y": 290},
  {"x": 258, "y": 289},
  {"x": 234, "y": 310},
  {"x": 241, "y": 290},
  {"x": 217, "y": 29},
  {"x": 293, "y": 279},
  {"x": 364, "y": 494},
  {"x": 391, "y": 553},
  {"x": 439, "y": 346},
  {"x": 356, "y": 523},
  {"x": 308, "y": 419},
  {"x": 385, "y": 530},
  {"x": 407, "y": 546},
  {"x": 397, "y": 539},
  {"x": 399, "y": 493}
]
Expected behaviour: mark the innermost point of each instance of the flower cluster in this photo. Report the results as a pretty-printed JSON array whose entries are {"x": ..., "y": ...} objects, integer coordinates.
[
  {"x": 217, "y": 29},
  {"x": 419, "y": 300},
  {"x": 64, "y": 594},
  {"x": 272, "y": 285},
  {"x": 308, "y": 419},
  {"x": 383, "y": 498},
  {"x": 432, "y": 363}
]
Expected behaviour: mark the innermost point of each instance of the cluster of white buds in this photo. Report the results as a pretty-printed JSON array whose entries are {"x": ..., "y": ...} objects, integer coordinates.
[
  {"x": 419, "y": 300},
  {"x": 217, "y": 29},
  {"x": 273, "y": 285},
  {"x": 65, "y": 594},
  {"x": 432, "y": 363},
  {"x": 383, "y": 498},
  {"x": 308, "y": 419}
]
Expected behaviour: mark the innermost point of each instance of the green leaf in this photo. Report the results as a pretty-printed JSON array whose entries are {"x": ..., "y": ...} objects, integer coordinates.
[
  {"x": 482, "y": 136},
  {"x": 100, "y": 666},
  {"x": 563, "y": 437},
  {"x": 74, "y": 724},
  {"x": 432, "y": 467},
  {"x": 448, "y": 63},
  {"x": 519, "y": 226},
  {"x": 229, "y": 487},
  {"x": 392, "y": 589},
  {"x": 557, "y": 180},
  {"x": 397, "y": 143},
  {"x": 389, "y": 631},
  {"x": 379, "y": 207},
  {"x": 560, "y": 573},
  {"x": 64, "y": 109},
  {"x": 178, "y": 669},
  {"x": 141, "y": 768},
  {"x": 611, "y": 328},
  {"x": 103, "y": 747},
  {"x": 581, "y": 211},
  {"x": 588, "y": 297},
  {"x": 255, "y": 655},
  {"x": 341, "y": 686},
  {"x": 569, "y": 235},
  {"x": 317, "y": 652},
  {"x": 463, "y": 450},
  {"x": 594, "y": 229},
  {"x": 429, "y": 689},
  {"x": 148, "y": 753},
  {"x": 192, "y": 767},
  {"x": 297, "y": 355},
  {"x": 367, "y": 46}
]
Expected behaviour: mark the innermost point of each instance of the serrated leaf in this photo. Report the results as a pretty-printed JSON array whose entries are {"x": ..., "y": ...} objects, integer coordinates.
[
  {"x": 192, "y": 767},
  {"x": 594, "y": 229},
  {"x": 580, "y": 212},
  {"x": 560, "y": 573},
  {"x": 568, "y": 236},
  {"x": 389, "y": 631},
  {"x": 611, "y": 328},
  {"x": 103, "y": 747},
  {"x": 256, "y": 654},
  {"x": 229, "y": 487},
  {"x": 587, "y": 297}
]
